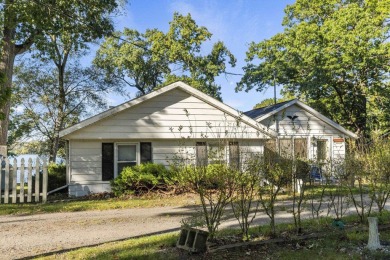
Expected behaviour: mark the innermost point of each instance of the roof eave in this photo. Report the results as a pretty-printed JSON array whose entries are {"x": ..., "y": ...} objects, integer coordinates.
[{"x": 311, "y": 110}]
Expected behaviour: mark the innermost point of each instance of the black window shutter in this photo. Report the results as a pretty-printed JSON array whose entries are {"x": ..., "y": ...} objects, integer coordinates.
[
  {"x": 107, "y": 161},
  {"x": 201, "y": 154},
  {"x": 146, "y": 152}
]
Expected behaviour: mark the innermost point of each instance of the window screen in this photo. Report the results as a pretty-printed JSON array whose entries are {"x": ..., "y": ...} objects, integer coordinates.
[
  {"x": 285, "y": 148},
  {"x": 321, "y": 150},
  {"x": 300, "y": 148},
  {"x": 127, "y": 156}
]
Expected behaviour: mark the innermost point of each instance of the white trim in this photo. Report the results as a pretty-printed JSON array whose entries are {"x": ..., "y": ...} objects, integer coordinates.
[
  {"x": 192, "y": 91},
  {"x": 310, "y": 110}
]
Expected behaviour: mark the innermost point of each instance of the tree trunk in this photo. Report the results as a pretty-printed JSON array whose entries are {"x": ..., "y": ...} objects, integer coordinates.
[
  {"x": 6, "y": 69},
  {"x": 59, "y": 124},
  {"x": 9, "y": 51}
]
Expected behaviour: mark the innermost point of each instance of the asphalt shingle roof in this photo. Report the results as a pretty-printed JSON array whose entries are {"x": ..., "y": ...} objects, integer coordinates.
[{"x": 255, "y": 113}]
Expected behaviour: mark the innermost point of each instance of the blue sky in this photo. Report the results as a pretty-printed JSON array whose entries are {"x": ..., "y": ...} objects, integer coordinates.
[{"x": 236, "y": 23}]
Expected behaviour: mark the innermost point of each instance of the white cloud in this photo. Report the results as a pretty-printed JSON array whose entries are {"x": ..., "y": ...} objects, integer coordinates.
[{"x": 19, "y": 109}]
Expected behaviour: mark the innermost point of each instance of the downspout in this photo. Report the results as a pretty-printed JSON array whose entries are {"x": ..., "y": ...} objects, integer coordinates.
[
  {"x": 67, "y": 161},
  {"x": 276, "y": 119}
]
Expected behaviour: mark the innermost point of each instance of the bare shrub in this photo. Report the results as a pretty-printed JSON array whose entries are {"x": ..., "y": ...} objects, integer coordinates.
[{"x": 245, "y": 204}]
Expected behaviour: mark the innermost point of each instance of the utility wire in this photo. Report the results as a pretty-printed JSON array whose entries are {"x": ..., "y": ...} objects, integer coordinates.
[{"x": 111, "y": 34}]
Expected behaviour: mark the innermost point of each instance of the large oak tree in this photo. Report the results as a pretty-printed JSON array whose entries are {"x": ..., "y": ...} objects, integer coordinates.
[
  {"x": 334, "y": 54},
  {"x": 148, "y": 60},
  {"x": 24, "y": 23},
  {"x": 47, "y": 106}
]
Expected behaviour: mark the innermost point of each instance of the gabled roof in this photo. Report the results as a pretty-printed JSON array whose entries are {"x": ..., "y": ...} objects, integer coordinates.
[
  {"x": 259, "y": 114},
  {"x": 177, "y": 85}
]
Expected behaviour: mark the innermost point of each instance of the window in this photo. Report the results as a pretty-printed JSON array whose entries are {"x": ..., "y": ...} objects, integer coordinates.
[
  {"x": 217, "y": 153},
  {"x": 126, "y": 156},
  {"x": 322, "y": 150},
  {"x": 300, "y": 148},
  {"x": 285, "y": 146},
  {"x": 234, "y": 155},
  {"x": 201, "y": 154},
  {"x": 270, "y": 151}
]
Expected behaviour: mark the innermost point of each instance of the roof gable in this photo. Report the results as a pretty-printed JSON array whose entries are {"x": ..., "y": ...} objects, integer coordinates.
[
  {"x": 177, "y": 85},
  {"x": 261, "y": 114}
]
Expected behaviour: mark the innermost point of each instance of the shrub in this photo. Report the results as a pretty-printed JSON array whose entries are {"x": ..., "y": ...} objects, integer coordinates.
[
  {"x": 56, "y": 176},
  {"x": 142, "y": 179},
  {"x": 215, "y": 184}
]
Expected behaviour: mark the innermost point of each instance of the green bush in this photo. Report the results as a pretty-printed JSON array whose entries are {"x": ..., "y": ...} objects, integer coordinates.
[
  {"x": 56, "y": 176},
  {"x": 143, "y": 178}
]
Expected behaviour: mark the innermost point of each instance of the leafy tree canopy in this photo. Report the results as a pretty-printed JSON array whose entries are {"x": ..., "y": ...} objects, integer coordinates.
[
  {"x": 270, "y": 101},
  {"x": 41, "y": 108},
  {"x": 148, "y": 60},
  {"x": 334, "y": 54},
  {"x": 46, "y": 24}
]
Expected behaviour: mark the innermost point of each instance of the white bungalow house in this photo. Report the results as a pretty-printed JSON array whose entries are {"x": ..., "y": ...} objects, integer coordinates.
[
  {"x": 153, "y": 128},
  {"x": 302, "y": 131}
]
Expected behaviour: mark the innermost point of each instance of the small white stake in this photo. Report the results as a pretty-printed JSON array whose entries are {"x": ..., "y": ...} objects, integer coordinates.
[{"x": 373, "y": 235}]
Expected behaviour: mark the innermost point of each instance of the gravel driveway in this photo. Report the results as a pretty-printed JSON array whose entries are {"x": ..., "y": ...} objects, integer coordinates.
[{"x": 27, "y": 236}]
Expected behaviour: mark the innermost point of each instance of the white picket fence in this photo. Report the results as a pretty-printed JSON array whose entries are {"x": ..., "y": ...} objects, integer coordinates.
[{"x": 16, "y": 181}]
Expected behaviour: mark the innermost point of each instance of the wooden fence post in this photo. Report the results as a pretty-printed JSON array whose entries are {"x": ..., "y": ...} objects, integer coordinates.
[
  {"x": 21, "y": 193},
  {"x": 37, "y": 180},
  {"x": 6, "y": 181},
  {"x": 29, "y": 181},
  {"x": 44, "y": 182},
  {"x": 14, "y": 180}
]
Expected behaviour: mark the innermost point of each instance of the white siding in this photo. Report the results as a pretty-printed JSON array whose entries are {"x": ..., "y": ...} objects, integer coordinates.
[
  {"x": 85, "y": 159},
  {"x": 304, "y": 124},
  {"x": 174, "y": 114},
  {"x": 164, "y": 151},
  {"x": 79, "y": 189},
  {"x": 339, "y": 150}
]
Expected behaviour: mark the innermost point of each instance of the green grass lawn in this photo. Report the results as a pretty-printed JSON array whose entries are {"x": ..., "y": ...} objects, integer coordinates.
[
  {"x": 151, "y": 247},
  {"x": 348, "y": 244},
  {"x": 106, "y": 204}
]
